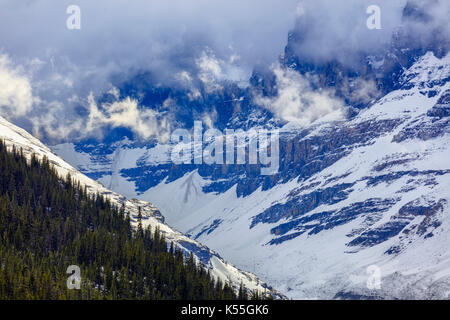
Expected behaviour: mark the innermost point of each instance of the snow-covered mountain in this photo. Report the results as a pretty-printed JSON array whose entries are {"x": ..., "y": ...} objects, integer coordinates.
[
  {"x": 372, "y": 191},
  {"x": 359, "y": 205},
  {"x": 15, "y": 136}
]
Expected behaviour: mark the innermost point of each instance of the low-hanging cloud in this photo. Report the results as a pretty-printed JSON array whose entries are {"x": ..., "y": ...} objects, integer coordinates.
[
  {"x": 15, "y": 90},
  {"x": 17, "y": 100},
  {"x": 337, "y": 30},
  {"x": 297, "y": 101},
  {"x": 126, "y": 113},
  {"x": 52, "y": 72},
  {"x": 160, "y": 35},
  {"x": 178, "y": 42}
]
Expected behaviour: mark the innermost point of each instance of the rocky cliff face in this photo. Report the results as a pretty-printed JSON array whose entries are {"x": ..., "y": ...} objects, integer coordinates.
[
  {"x": 381, "y": 70},
  {"x": 16, "y": 137},
  {"x": 370, "y": 190}
]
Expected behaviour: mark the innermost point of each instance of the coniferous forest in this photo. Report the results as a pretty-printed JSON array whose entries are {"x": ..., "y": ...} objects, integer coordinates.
[{"x": 48, "y": 223}]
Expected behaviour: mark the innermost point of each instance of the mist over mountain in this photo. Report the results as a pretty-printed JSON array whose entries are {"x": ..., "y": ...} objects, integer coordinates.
[
  {"x": 362, "y": 177},
  {"x": 199, "y": 59}
]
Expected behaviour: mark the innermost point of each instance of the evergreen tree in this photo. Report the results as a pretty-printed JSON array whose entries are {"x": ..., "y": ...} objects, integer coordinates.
[{"x": 48, "y": 223}]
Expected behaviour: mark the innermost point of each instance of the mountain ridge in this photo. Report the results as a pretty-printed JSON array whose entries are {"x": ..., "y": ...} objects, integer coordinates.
[
  {"x": 350, "y": 193},
  {"x": 20, "y": 139}
]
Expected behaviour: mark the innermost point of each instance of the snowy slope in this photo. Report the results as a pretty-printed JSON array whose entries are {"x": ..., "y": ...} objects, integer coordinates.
[
  {"x": 15, "y": 136},
  {"x": 374, "y": 190}
]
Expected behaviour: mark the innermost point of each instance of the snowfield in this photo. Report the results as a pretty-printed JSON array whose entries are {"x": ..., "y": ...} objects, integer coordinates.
[
  {"x": 380, "y": 199},
  {"x": 15, "y": 136}
]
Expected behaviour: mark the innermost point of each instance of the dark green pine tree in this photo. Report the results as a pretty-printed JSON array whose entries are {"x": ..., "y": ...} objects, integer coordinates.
[{"x": 48, "y": 223}]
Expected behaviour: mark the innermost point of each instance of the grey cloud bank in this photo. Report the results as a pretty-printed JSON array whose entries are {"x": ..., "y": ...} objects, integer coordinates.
[{"x": 54, "y": 70}]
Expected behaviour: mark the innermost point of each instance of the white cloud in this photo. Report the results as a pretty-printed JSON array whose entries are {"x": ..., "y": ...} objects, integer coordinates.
[
  {"x": 213, "y": 70},
  {"x": 62, "y": 66},
  {"x": 332, "y": 29},
  {"x": 114, "y": 92},
  {"x": 161, "y": 35},
  {"x": 15, "y": 90},
  {"x": 209, "y": 119},
  {"x": 297, "y": 101},
  {"x": 364, "y": 91},
  {"x": 126, "y": 113},
  {"x": 48, "y": 117},
  {"x": 52, "y": 124},
  {"x": 210, "y": 70}
]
